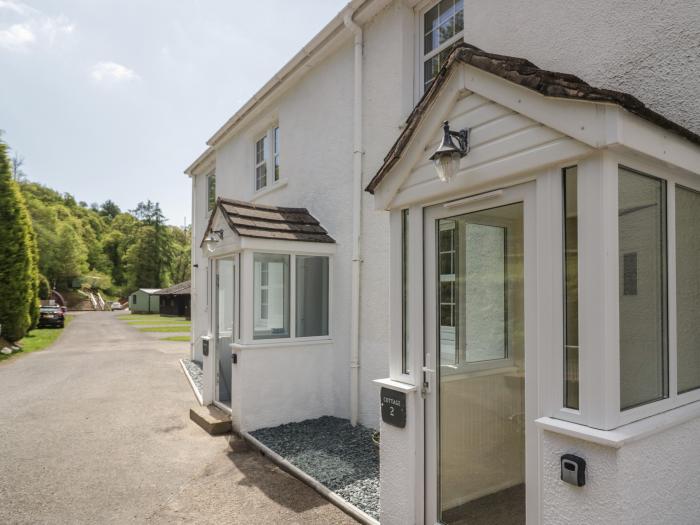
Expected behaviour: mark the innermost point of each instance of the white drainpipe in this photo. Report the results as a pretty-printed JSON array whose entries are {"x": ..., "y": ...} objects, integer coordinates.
[{"x": 356, "y": 221}]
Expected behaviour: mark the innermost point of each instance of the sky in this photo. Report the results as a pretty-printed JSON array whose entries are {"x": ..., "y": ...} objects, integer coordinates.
[{"x": 113, "y": 99}]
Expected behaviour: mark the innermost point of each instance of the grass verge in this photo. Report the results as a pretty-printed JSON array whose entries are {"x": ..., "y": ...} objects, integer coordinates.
[
  {"x": 184, "y": 328},
  {"x": 176, "y": 338},
  {"x": 38, "y": 339}
]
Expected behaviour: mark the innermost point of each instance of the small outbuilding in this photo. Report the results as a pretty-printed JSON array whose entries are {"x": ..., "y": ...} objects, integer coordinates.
[
  {"x": 175, "y": 300},
  {"x": 144, "y": 301}
]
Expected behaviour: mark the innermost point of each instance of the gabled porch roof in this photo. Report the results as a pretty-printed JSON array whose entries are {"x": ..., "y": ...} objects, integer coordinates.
[
  {"x": 523, "y": 73},
  {"x": 269, "y": 222}
]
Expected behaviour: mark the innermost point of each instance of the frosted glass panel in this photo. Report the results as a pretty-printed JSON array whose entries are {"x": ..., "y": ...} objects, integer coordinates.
[
  {"x": 688, "y": 288},
  {"x": 642, "y": 293},
  {"x": 485, "y": 286}
]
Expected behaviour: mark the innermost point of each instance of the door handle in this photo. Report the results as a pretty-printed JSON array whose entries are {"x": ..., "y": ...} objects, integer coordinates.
[{"x": 427, "y": 377}]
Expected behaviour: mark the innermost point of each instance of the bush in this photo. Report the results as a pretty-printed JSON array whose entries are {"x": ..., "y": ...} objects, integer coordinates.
[
  {"x": 19, "y": 276},
  {"x": 44, "y": 288}
]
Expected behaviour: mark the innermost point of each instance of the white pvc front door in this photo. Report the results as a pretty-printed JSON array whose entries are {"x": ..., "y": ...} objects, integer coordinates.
[{"x": 479, "y": 314}]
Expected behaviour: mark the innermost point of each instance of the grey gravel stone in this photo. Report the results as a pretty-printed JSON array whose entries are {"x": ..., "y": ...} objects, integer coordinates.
[
  {"x": 194, "y": 370},
  {"x": 338, "y": 455}
]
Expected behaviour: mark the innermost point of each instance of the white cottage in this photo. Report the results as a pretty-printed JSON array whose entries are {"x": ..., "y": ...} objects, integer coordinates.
[{"x": 523, "y": 280}]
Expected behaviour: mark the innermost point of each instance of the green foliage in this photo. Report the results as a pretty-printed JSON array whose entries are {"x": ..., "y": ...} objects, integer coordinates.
[
  {"x": 19, "y": 276},
  {"x": 103, "y": 248},
  {"x": 44, "y": 287}
]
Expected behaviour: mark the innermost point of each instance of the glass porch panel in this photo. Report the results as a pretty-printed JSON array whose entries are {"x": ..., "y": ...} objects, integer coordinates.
[
  {"x": 225, "y": 328},
  {"x": 642, "y": 293},
  {"x": 688, "y": 288},
  {"x": 481, "y": 376}
]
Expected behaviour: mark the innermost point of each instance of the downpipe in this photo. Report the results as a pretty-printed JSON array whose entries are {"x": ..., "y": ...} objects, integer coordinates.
[{"x": 356, "y": 220}]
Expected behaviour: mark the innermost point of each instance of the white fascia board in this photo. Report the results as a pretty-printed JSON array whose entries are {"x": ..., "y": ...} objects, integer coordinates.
[
  {"x": 414, "y": 151},
  {"x": 287, "y": 246},
  {"x": 599, "y": 125},
  {"x": 318, "y": 48},
  {"x": 654, "y": 141},
  {"x": 584, "y": 121},
  {"x": 205, "y": 159}
]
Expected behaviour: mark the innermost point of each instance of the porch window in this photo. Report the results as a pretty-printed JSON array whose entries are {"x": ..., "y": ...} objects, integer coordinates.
[
  {"x": 405, "y": 356},
  {"x": 271, "y": 296},
  {"x": 571, "y": 346},
  {"x": 311, "y": 296},
  {"x": 687, "y": 288},
  {"x": 642, "y": 290},
  {"x": 443, "y": 25}
]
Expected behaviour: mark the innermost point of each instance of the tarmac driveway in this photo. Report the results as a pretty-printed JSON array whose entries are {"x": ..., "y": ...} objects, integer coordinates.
[{"x": 96, "y": 430}]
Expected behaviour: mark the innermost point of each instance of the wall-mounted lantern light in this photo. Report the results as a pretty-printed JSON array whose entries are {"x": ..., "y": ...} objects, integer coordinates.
[
  {"x": 213, "y": 239},
  {"x": 446, "y": 157}
]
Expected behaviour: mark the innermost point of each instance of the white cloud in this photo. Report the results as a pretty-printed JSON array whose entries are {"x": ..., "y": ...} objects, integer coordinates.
[
  {"x": 54, "y": 26},
  {"x": 17, "y": 7},
  {"x": 17, "y": 36},
  {"x": 31, "y": 27},
  {"x": 112, "y": 72}
]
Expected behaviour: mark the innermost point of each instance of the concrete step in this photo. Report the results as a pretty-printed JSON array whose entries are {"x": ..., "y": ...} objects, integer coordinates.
[{"x": 213, "y": 420}]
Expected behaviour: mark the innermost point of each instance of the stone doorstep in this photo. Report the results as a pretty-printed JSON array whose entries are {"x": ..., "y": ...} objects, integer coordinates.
[{"x": 213, "y": 420}]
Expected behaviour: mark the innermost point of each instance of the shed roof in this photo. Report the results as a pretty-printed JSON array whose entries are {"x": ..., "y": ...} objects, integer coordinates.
[
  {"x": 528, "y": 75},
  {"x": 270, "y": 222},
  {"x": 182, "y": 288}
]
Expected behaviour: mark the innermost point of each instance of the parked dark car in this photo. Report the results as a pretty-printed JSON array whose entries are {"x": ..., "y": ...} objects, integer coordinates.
[{"x": 51, "y": 316}]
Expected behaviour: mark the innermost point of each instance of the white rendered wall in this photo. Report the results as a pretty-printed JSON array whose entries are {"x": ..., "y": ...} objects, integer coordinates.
[
  {"x": 645, "y": 482},
  {"x": 199, "y": 308},
  {"x": 292, "y": 389}
]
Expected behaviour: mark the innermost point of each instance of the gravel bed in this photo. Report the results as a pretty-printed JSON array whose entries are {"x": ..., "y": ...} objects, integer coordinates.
[
  {"x": 194, "y": 369},
  {"x": 338, "y": 455}
]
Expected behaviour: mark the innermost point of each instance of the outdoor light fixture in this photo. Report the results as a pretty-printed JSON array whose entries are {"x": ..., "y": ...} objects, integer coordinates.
[
  {"x": 211, "y": 240},
  {"x": 446, "y": 157}
]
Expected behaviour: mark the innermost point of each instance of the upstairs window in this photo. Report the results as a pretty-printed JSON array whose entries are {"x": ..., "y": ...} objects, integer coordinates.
[
  {"x": 261, "y": 163},
  {"x": 267, "y": 159},
  {"x": 442, "y": 26},
  {"x": 211, "y": 191}
]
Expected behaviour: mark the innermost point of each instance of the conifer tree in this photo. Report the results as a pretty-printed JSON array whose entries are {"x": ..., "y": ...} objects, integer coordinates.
[{"x": 19, "y": 275}]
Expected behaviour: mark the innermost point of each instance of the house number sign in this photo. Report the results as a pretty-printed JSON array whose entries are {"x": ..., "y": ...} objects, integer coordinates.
[{"x": 393, "y": 407}]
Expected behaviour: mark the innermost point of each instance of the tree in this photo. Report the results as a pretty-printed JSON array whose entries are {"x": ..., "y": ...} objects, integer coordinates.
[
  {"x": 18, "y": 257},
  {"x": 109, "y": 209},
  {"x": 17, "y": 173},
  {"x": 70, "y": 259}
]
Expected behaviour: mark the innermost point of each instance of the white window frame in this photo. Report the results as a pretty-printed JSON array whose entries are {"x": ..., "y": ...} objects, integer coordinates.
[
  {"x": 599, "y": 356},
  {"x": 271, "y": 159},
  {"x": 262, "y": 163},
  {"x": 207, "y": 208},
  {"x": 292, "y": 299},
  {"x": 420, "y": 10}
]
